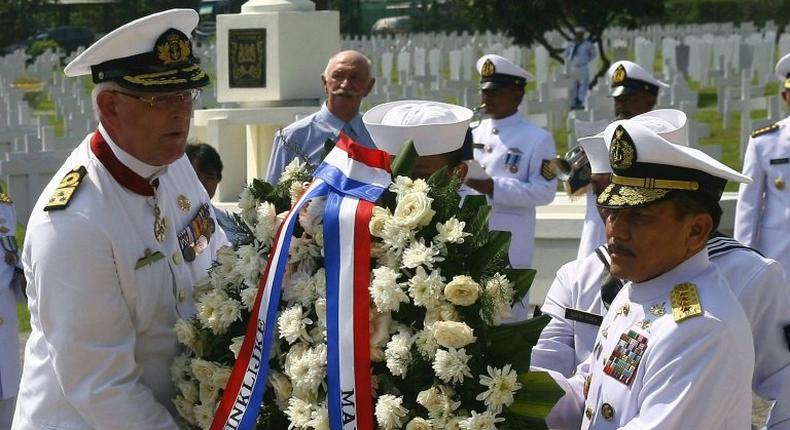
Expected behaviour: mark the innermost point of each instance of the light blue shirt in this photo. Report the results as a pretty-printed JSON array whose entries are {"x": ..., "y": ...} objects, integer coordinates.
[{"x": 306, "y": 138}]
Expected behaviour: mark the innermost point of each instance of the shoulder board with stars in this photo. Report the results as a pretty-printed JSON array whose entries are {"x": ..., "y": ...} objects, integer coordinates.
[
  {"x": 685, "y": 301},
  {"x": 546, "y": 170},
  {"x": 5, "y": 199},
  {"x": 765, "y": 130},
  {"x": 65, "y": 190}
]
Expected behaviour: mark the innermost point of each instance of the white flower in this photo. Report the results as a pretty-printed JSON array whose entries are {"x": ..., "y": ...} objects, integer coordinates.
[
  {"x": 312, "y": 215},
  {"x": 419, "y": 254},
  {"x": 248, "y": 296},
  {"x": 217, "y": 311},
  {"x": 319, "y": 283},
  {"x": 294, "y": 170},
  {"x": 418, "y": 423},
  {"x": 226, "y": 269},
  {"x": 451, "y": 334},
  {"x": 398, "y": 353},
  {"x": 426, "y": 289},
  {"x": 299, "y": 413},
  {"x": 451, "y": 232},
  {"x": 426, "y": 343},
  {"x": 204, "y": 414},
  {"x": 282, "y": 388},
  {"x": 319, "y": 418},
  {"x": 267, "y": 224},
  {"x": 186, "y": 333},
  {"x": 293, "y": 323},
  {"x": 379, "y": 323},
  {"x": 403, "y": 185},
  {"x": 247, "y": 204},
  {"x": 484, "y": 421},
  {"x": 296, "y": 190},
  {"x": 443, "y": 311},
  {"x": 235, "y": 345},
  {"x": 179, "y": 369},
  {"x": 438, "y": 400},
  {"x": 221, "y": 376},
  {"x": 396, "y": 236},
  {"x": 249, "y": 264},
  {"x": 501, "y": 385},
  {"x": 413, "y": 210},
  {"x": 390, "y": 412},
  {"x": 462, "y": 290},
  {"x": 186, "y": 409},
  {"x": 203, "y": 370},
  {"x": 497, "y": 300},
  {"x": 320, "y": 311},
  {"x": 202, "y": 287},
  {"x": 385, "y": 290},
  {"x": 306, "y": 368},
  {"x": 451, "y": 365},
  {"x": 377, "y": 221},
  {"x": 209, "y": 393},
  {"x": 299, "y": 288},
  {"x": 188, "y": 390},
  {"x": 303, "y": 248}
]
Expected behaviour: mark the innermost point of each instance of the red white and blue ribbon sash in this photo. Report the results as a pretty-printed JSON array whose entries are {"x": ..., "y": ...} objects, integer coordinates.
[{"x": 352, "y": 178}]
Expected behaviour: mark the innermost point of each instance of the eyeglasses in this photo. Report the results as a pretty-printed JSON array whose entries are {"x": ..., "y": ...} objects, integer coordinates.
[{"x": 166, "y": 100}]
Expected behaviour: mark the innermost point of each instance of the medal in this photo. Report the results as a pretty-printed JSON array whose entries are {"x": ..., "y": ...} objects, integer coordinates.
[
  {"x": 183, "y": 203},
  {"x": 160, "y": 224}
]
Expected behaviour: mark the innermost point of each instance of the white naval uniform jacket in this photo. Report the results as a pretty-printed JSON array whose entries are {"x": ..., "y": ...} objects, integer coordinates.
[
  {"x": 762, "y": 215},
  {"x": 691, "y": 374},
  {"x": 518, "y": 187},
  {"x": 593, "y": 230},
  {"x": 757, "y": 282},
  {"x": 9, "y": 338},
  {"x": 102, "y": 339}
]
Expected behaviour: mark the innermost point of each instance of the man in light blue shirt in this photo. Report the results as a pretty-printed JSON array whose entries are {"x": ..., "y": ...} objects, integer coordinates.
[{"x": 347, "y": 79}]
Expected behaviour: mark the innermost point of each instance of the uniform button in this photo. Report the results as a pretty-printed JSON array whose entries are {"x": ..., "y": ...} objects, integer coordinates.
[
  {"x": 607, "y": 411},
  {"x": 177, "y": 258},
  {"x": 495, "y": 131},
  {"x": 181, "y": 296},
  {"x": 2, "y": 321},
  {"x": 588, "y": 412}
]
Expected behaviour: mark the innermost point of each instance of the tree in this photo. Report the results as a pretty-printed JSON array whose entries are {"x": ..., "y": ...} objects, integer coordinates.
[{"x": 530, "y": 21}]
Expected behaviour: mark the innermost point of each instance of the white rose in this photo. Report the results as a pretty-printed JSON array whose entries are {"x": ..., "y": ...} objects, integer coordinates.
[
  {"x": 235, "y": 345},
  {"x": 462, "y": 290},
  {"x": 414, "y": 210},
  {"x": 221, "y": 376},
  {"x": 204, "y": 414},
  {"x": 203, "y": 370},
  {"x": 377, "y": 221},
  {"x": 430, "y": 399},
  {"x": 451, "y": 334},
  {"x": 282, "y": 388},
  {"x": 188, "y": 390},
  {"x": 444, "y": 311},
  {"x": 419, "y": 424},
  {"x": 209, "y": 393},
  {"x": 186, "y": 333}
]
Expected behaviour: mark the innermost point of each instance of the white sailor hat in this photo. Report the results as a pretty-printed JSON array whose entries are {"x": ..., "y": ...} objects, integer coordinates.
[
  {"x": 497, "y": 72},
  {"x": 152, "y": 53},
  {"x": 670, "y": 124},
  {"x": 783, "y": 71},
  {"x": 648, "y": 168},
  {"x": 434, "y": 127},
  {"x": 626, "y": 77}
]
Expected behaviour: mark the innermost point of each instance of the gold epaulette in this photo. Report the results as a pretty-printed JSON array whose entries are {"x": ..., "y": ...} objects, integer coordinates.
[
  {"x": 764, "y": 130},
  {"x": 5, "y": 199},
  {"x": 685, "y": 301},
  {"x": 65, "y": 190}
]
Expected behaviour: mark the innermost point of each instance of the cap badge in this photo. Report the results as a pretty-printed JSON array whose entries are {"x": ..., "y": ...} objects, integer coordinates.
[
  {"x": 623, "y": 152},
  {"x": 173, "y": 47},
  {"x": 488, "y": 69},
  {"x": 619, "y": 75}
]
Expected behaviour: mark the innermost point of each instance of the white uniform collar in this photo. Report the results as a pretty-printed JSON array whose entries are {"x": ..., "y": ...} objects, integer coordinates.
[
  {"x": 506, "y": 121},
  {"x": 145, "y": 170},
  {"x": 686, "y": 271}
]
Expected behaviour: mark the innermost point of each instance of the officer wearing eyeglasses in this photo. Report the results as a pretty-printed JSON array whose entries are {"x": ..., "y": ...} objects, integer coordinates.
[{"x": 117, "y": 240}]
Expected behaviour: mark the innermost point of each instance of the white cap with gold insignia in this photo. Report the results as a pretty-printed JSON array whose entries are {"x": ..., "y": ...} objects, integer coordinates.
[
  {"x": 783, "y": 71},
  {"x": 434, "y": 127},
  {"x": 626, "y": 77},
  {"x": 497, "y": 71}
]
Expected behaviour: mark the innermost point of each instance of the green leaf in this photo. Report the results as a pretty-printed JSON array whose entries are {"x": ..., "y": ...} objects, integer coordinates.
[
  {"x": 261, "y": 189},
  {"x": 522, "y": 281},
  {"x": 403, "y": 164},
  {"x": 513, "y": 342},
  {"x": 487, "y": 259},
  {"x": 537, "y": 396}
]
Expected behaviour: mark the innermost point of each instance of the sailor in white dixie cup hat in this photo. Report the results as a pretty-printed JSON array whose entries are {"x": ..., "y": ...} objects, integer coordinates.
[
  {"x": 118, "y": 239},
  {"x": 579, "y": 53},
  {"x": 674, "y": 350},
  {"x": 583, "y": 290},
  {"x": 633, "y": 88},
  {"x": 762, "y": 215},
  {"x": 513, "y": 153}
]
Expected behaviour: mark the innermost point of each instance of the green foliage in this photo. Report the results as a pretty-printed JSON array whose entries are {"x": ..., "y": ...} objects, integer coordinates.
[
  {"x": 403, "y": 164},
  {"x": 41, "y": 46}
]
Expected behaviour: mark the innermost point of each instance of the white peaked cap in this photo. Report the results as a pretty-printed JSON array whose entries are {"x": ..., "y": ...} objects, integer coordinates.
[
  {"x": 625, "y": 76},
  {"x": 434, "y": 127},
  {"x": 783, "y": 69}
]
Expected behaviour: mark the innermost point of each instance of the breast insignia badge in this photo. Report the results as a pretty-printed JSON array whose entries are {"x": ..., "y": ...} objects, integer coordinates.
[{"x": 685, "y": 301}]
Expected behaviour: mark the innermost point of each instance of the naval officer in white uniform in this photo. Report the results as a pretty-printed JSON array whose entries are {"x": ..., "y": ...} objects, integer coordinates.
[
  {"x": 762, "y": 215},
  {"x": 513, "y": 152},
  {"x": 674, "y": 351},
  {"x": 118, "y": 239}
]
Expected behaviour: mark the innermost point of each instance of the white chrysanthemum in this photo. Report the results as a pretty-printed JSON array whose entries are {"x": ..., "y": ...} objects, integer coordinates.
[
  {"x": 386, "y": 291},
  {"x": 501, "y": 385},
  {"x": 248, "y": 204},
  {"x": 403, "y": 185},
  {"x": 306, "y": 368},
  {"x": 398, "y": 353},
  {"x": 451, "y": 365},
  {"x": 497, "y": 300},
  {"x": 426, "y": 289},
  {"x": 390, "y": 413},
  {"x": 217, "y": 311},
  {"x": 319, "y": 283},
  {"x": 179, "y": 369},
  {"x": 312, "y": 215},
  {"x": 303, "y": 248},
  {"x": 296, "y": 190},
  {"x": 377, "y": 221},
  {"x": 420, "y": 254},
  {"x": 418, "y": 423},
  {"x": 451, "y": 231},
  {"x": 292, "y": 324},
  {"x": 226, "y": 265},
  {"x": 266, "y": 225},
  {"x": 186, "y": 333},
  {"x": 396, "y": 236},
  {"x": 426, "y": 343},
  {"x": 319, "y": 419},
  {"x": 438, "y": 400},
  {"x": 413, "y": 210},
  {"x": 299, "y": 413},
  {"x": 319, "y": 239},
  {"x": 249, "y": 264},
  {"x": 235, "y": 345},
  {"x": 202, "y": 287},
  {"x": 248, "y": 296},
  {"x": 299, "y": 288},
  {"x": 294, "y": 170},
  {"x": 204, "y": 414},
  {"x": 484, "y": 421}
]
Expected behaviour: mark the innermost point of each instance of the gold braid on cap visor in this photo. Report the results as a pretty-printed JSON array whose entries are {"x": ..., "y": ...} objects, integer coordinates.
[{"x": 666, "y": 184}]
